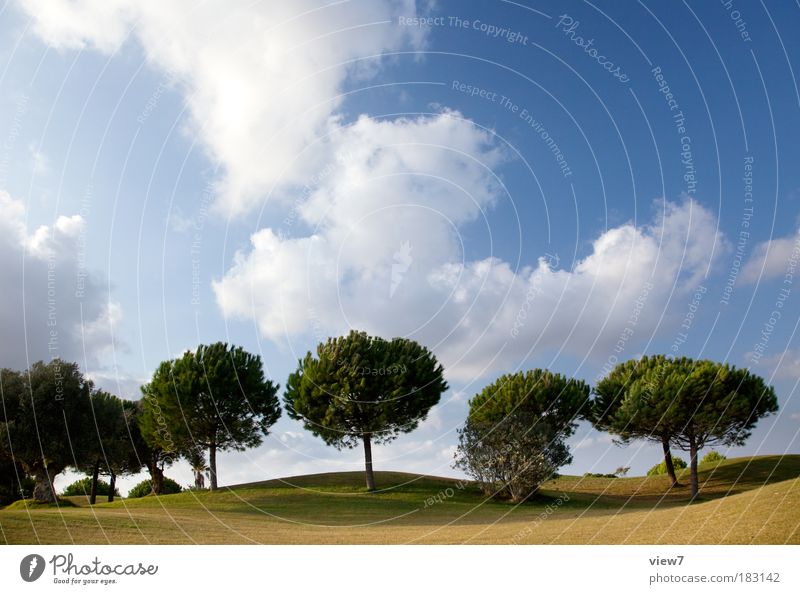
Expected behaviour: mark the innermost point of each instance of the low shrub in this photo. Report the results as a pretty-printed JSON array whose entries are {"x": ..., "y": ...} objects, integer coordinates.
[
  {"x": 678, "y": 463},
  {"x": 712, "y": 457},
  {"x": 84, "y": 487},
  {"x": 143, "y": 489}
]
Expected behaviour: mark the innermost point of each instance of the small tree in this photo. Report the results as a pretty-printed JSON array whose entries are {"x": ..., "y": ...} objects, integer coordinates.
[
  {"x": 111, "y": 450},
  {"x": 510, "y": 459},
  {"x": 197, "y": 459},
  {"x": 216, "y": 397},
  {"x": 46, "y": 411},
  {"x": 364, "y": 389},
  {"x": 514, "y": 437}
]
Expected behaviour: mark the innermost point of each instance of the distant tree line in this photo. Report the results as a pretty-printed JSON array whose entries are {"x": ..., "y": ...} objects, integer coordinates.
[{"x": 355, "y": 390}]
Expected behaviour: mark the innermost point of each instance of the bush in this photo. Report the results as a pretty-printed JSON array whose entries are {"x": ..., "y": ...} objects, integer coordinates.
[
  {"x": 11, "y": 492},
  {"x": 84, "y": 487},
  {"x": 143, "y": 489},
  {"x": 712, "y": 457},
  {"x": 512, "y": 459},
  {"x": 678, "y": 463},
  {"x": 598, "y": 475}
]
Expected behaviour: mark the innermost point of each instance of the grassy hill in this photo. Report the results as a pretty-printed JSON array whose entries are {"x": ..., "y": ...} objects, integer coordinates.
[{"x": 744, "y": 500}]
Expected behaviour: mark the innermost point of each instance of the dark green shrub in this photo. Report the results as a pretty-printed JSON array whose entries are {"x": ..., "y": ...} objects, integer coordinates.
[
  {"x": 712, "y": 457},
  {"x": 84, "y": 487},
  {"x": 598, "y": 475},
  {"x": 678, "y": 463},
  {"x": 143, "y": 489}
]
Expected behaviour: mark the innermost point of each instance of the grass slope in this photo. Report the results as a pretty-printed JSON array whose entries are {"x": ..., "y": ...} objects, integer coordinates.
[{"x": 745, "y": 500}]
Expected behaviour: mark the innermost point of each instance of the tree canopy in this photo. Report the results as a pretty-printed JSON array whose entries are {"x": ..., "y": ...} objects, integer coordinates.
[
  {"x": 362, "y": 388},
  {"x": 695, "y": 403},
  {"x": 515, "y": 433},
  {"x": 215, "y": 397},
  {"x": 46, "y": 420},
  {"x": 538, "y": 395}
]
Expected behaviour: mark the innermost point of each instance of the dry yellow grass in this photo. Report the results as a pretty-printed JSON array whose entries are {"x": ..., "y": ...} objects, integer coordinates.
[{"x": 745, "y": 501}]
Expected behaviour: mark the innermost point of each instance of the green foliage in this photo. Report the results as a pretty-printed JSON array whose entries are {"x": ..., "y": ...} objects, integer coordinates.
[
  {"x": 661, "y": 468},
  {"x": 111, "y": 447},
  {"x": 216, "y": 397},
  {"x": 513, "y": 439},
  {"x": 146, "y": 446},
  {"x": 701, "y": 401},
  {"x": 14, "y": 483},
  {"x": 45, "y": 418},
  {"x": 84, "y": 487},
  {"x": 537, "y": 396},
  {"x": 712, "y": 457},
  {"x": 599, "y": 475},
  {"x": 511, "y": 459},
  {"x": 364, "y": 388},
  {"x": 145, "y": 488},
  {"x": 689, "y": 404},
  {"x": 338, "y": 398}
]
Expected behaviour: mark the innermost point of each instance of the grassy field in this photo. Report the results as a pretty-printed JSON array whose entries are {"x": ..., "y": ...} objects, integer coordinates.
[{"x": 745, "y": 500}]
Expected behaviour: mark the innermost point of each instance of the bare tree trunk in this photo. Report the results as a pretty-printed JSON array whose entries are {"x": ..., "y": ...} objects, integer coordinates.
[
  {"x": 156, "y": 479},
  {"x": 668, "y": 460},
  {"x": 693, "y": 466},
  {"x": 95, "y": 476},
  {"x": 212, "y": 466},
  {"x": 43, "y": 490},
  {"x": 368, "y": 462},
  {"x": 112, "y": 484}
]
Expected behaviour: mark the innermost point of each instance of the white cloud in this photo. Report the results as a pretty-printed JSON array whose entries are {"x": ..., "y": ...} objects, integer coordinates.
[
  {"x": 340, "y": 276},
  {"x": 262, "y": 80},
  {"x": 408, "y": 181},
  {"x": 773, "y": 257},
  {"x": 51, "y": 307},
  {"x": 262, "y": 83},
  {"x": 779, "y": 366}
]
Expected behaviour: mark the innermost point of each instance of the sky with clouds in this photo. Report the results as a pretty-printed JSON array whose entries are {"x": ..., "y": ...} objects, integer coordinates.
[{"x": 514, "y": 185}]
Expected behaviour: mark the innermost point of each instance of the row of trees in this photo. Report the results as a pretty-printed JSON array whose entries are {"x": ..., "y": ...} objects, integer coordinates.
[
  {"x": 214, "y": 398},
  {"x": 54, "y": 418},
  {"x": 361, "y": 390},
  {"x": 514, "y": 437}
]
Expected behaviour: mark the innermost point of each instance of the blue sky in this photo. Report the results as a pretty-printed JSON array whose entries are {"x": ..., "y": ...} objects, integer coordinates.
[{"x": 508, "y": 183}]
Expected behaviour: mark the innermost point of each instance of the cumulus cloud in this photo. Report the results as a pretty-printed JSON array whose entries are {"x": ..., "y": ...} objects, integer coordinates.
[
  {"x": 255, "y": 75},
  {"x": 377, "y": 209},
  {"x": 384, "y": 254},
  {"x": 772, "y": 258},
  {"x": 384, "y": 215},
  {"x": 51, "y": 306},
  {"x": 779, "y": 366}
]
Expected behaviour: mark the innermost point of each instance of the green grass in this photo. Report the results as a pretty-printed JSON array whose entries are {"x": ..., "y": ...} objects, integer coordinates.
[{"x": 744, "y": 500}]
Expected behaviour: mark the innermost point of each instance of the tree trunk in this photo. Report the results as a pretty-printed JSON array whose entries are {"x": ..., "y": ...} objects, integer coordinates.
[
  {"x": 212, "y": 467},
  {"x": 95, "y": 475},
  {"x": 368, "y": 462},
  {"x": 156, "y": 479},
  {"x": 112, "y": 484},
  {"x": 693, "y": 466},
  {"x": 668, "y": 460},
  {"x": 43, "y": 490}
]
